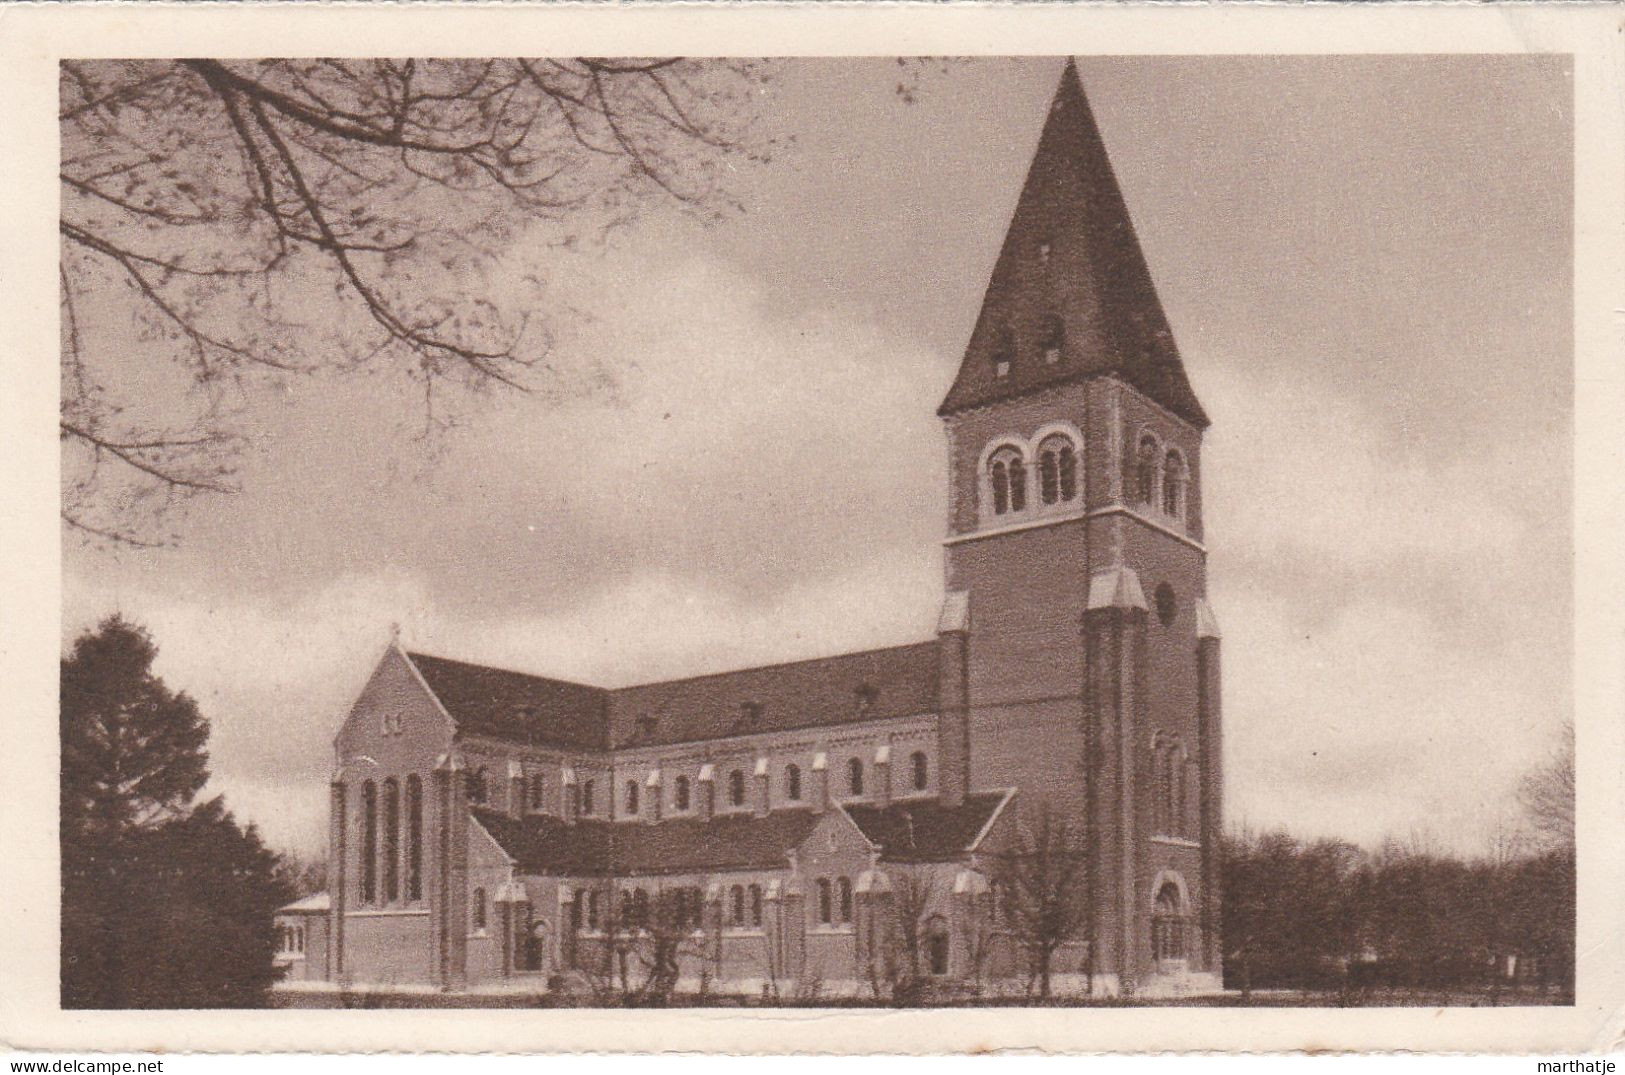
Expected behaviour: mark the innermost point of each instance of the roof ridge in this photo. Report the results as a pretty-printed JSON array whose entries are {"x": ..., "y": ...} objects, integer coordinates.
[
  {"x": 777, "y": 664},
  {"x": 416, "y": 655}
]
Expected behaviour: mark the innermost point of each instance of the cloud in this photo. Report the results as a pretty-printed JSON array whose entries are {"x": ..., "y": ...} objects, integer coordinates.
[
  {"x": 1396, "y": 615},
  {"x": 751, "y": 494}
]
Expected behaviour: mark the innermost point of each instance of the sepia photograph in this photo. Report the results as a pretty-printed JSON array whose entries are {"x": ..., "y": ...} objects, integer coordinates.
[
  {"x": 524, "y": 633},
  {"x": 1056, "y": 530}
]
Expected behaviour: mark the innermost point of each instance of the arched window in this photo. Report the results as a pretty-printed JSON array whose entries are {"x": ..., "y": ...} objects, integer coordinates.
[
  {"x": 1178, "y": 806},
  {"x": 1057, "y": 470},
  {"x": 1008, "y": 477},
  {"x": 392, "y": 840},
  {"x": 477, "y": 790},
  {"x": 1162, "y": 808},
  {"x": 854, "y": 776},
  {"x": 1168, "y": 924},
  {"x": 1167, "y": 603},
  {"x": 1018, "y": 484},
  {"x": 631, "y": 796},
  {"x": 520, "y": 792},
  {"x": 736, "y": 788},
  {"x": 792, "y": 783},
  {"x": 587, "y": 797},
  {"x": 826, "y": 910},
  {"x": 736, "y": 905},
  {"x": 936, "y": 945},
  {"x": 592, "y": 908},
  {"x": 640, "y": 908},
  {"x": 414, "y": 837},
  {"x": 679, "y": 793},
  {"x": 1174, "y": 478},
  {"x": 1145, "y": 470},
  {"x": 477, "y": 910},
  {"x": 756, "y": 905},
  {"x": 920, "y": 767},
  {"x": 538, "y": 801},
  {"x": 1054, "y": 336},
  {"x": 844, "y": 889},
  {"x": 369, "y": 842}
]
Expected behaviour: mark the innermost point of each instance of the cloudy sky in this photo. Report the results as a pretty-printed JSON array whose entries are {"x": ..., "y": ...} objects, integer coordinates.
[{"x": 1367, "y": 266}]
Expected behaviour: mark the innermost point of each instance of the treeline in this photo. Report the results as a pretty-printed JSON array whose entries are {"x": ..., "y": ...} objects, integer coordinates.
[
  {"x": 1326, "y": 915},
  {"x": 166, "y": 902}
]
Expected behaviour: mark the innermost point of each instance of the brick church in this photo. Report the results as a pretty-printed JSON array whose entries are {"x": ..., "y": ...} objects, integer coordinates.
[{"x": 827, "y": 825}]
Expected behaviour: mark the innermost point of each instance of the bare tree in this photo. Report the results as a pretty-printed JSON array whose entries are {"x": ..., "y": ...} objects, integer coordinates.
[
  {"x": 638, "y": 959},
  {"x": 976, "y": 939},
  {"x": 1041, "y": 897},
  {"x": 1547, "y": 796},
  {"x": 896, "y": 937},
  {"x": 258, "y": 219}
]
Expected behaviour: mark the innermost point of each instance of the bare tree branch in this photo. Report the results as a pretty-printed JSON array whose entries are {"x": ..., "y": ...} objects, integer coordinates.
[{"x": 254, "y": 218}]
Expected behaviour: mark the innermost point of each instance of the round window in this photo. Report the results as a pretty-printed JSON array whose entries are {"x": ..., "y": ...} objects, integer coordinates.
[{"x": 1166, "y": 606}]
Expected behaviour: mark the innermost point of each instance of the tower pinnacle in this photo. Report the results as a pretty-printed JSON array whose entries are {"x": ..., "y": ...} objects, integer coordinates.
[{"x": 1071, "y": 296}]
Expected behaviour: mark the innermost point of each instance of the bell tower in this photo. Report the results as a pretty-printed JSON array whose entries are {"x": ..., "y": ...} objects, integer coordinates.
[{"x": 1076, "y": 561}]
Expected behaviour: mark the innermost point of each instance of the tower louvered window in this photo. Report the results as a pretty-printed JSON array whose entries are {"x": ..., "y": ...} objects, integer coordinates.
[
  {"x": 1145, "y": 471},
  {"x": 1057, "y": 470},
  {"x": 1007, "y": 475},
  {"x": 1174, "y": 481}
]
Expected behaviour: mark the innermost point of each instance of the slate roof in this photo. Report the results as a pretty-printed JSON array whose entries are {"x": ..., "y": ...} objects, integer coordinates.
[
  {"x": 1099, "y": 286},
  {"x": 870, "y": 685},
  {"x": 544, "y": 844},
  {"x": 802, "y": 694},
  {"x": 926, "y": 830},
  {"x": 514, "y": 706}
]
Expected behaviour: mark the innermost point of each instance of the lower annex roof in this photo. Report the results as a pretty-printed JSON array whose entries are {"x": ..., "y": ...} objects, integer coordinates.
[{"x": 915, "y": 830}]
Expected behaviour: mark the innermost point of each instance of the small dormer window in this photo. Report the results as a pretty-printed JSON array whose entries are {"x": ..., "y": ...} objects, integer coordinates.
[
  {"x": 1054, "y": 336},
  {"x": 750, "y": 712},
  {"x": 1004, "y": 352},
  {"x": 1044, "y": 252},
  {"x": 866, "y": 695},
  {"x": 646, "y": 725}
]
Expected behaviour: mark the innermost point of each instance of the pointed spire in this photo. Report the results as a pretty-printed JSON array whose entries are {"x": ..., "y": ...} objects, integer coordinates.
[{"x": 1071, "y": 296}]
